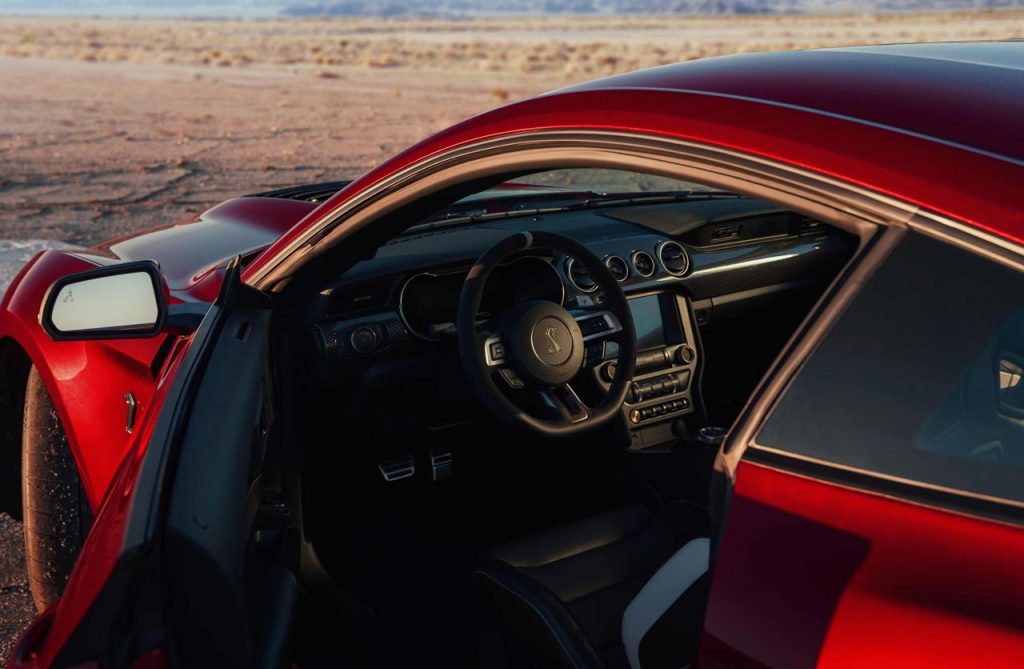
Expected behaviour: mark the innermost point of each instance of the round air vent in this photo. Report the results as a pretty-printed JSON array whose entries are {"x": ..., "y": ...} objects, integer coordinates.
[
  {"x": 579, "y": 276},
  {"x": 643, "y": 263},
  {"x": 674, "y": 258},
  {"x": 618, "y": 267}
]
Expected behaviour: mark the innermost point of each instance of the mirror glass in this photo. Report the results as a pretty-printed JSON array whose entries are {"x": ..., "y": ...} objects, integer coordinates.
[{"x": 117, "y": 301}]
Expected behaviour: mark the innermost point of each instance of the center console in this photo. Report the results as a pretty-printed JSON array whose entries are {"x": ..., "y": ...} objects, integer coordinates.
[{"x": 665, "y": 383}]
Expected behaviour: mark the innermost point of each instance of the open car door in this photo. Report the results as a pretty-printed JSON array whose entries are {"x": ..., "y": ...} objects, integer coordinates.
[{"x": 187, "y": 562}]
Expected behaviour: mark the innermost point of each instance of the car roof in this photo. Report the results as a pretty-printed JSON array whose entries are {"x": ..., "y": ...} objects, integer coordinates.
[{"x": 968, "y": 94}]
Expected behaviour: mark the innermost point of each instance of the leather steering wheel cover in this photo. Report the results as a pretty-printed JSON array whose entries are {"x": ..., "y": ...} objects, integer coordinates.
[{"x": 471, "y": 349}]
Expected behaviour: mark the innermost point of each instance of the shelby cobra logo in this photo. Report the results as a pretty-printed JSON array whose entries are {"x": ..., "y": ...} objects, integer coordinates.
[{"x": 554, "y": 347}]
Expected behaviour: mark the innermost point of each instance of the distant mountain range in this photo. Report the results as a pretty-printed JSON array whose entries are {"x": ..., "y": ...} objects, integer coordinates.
[{"x": 459, "y": 8}]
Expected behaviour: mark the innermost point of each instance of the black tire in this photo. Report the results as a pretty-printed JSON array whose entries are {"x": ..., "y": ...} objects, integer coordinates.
[{"x": 56, "y": 513}]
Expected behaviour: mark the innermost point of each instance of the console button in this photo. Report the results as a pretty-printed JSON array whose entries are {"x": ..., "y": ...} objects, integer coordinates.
[{"x": 635, "y": 415}]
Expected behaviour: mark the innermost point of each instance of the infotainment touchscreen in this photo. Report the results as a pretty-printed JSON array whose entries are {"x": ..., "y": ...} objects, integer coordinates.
[{"x": 650, "y": 331}]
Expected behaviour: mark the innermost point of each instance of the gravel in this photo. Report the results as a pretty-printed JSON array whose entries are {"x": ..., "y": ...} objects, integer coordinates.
[{"x": 16, "y": 607}]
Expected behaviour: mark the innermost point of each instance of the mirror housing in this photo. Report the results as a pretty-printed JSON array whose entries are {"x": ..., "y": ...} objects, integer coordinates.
[{"x": 127, "y": 300}]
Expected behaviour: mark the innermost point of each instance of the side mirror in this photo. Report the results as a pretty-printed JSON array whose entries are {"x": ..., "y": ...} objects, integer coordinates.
[{"x": 115, "y": 302}]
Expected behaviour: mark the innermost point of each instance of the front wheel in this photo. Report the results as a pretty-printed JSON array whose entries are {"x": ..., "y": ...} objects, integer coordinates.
[{"x": 56, "y": 513}]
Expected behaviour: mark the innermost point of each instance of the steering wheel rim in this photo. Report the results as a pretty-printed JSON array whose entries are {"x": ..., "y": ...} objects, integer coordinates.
[{"x": 537, "y": 316}]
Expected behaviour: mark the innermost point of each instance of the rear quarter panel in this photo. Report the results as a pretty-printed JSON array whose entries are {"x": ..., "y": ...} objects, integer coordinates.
[{"x": 813, "y": 574}]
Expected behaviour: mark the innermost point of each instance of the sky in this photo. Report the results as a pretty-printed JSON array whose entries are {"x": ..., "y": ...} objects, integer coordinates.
[{"x": 265, "y": 8}]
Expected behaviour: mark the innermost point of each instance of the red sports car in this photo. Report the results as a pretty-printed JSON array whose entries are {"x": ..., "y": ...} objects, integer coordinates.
[{"x": 718, "y": 364}]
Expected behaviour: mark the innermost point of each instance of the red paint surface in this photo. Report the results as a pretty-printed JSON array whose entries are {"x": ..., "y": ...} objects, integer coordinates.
[
  {"x": 811, "y": 574},
  {"x": 102, "y": 548}
]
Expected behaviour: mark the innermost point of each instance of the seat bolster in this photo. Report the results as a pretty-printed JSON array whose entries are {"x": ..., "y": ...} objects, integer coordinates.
[
  {"x": 533, "y": 619},
  {"x": 669, "y": 584}
]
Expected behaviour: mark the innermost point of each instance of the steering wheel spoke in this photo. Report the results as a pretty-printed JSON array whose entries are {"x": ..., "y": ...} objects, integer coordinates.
[
  {"x": 597, "y": 324},
  {"x": 495, "y": 354},
  {"x": 566, "y": 404}
]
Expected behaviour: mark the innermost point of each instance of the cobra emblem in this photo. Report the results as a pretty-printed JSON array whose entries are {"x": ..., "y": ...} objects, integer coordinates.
[{"x": 554, "y": 347}]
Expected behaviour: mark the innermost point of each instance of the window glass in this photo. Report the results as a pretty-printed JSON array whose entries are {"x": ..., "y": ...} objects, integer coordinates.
[
  {"x": 921, "y": 376},
  {"x": 595, "y": 180}
]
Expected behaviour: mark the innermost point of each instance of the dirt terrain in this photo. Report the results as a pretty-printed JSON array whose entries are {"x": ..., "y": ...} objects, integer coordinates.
[
  {"x": 108, "y": 127},
  {"x": 94, "y": 150}
]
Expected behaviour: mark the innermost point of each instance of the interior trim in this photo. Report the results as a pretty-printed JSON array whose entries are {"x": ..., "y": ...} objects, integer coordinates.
[{"x": 660, "y": 592}]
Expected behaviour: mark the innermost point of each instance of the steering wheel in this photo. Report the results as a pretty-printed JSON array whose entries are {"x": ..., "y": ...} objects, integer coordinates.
[{"x": 539, "y": 347}]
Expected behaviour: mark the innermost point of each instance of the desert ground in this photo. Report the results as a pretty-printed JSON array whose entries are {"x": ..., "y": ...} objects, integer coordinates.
[{"x": 111, "y": 126}]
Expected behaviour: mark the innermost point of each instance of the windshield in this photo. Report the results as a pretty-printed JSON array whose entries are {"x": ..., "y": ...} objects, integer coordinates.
[{"x": 555, "y": 190}]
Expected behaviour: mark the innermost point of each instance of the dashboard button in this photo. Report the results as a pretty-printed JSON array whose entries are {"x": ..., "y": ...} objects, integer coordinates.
[
  {"x": 363, "y": 339},
  {"x": 685, "y": 354}
]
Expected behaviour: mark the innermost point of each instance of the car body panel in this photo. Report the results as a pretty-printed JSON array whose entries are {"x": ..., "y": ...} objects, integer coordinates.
[
  {"x": 187, "y": 251},
  {"x": 814, "y": 574},
  {"x": 906, "y": 87},
  {"x": 103, "y": 548}
]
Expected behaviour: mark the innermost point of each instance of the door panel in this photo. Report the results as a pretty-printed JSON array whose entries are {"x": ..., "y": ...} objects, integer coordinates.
[
  {"x": 214, "y": 502},
  {"x": 812, "y": 574}
]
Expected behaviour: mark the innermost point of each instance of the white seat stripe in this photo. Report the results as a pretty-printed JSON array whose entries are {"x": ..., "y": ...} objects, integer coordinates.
[{"x": 659, "y": 593}]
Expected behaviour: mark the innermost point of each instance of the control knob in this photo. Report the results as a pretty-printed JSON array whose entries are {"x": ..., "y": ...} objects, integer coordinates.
[
  {"x": 685, "y": 354},
  {"x": 363, "y": 339}
]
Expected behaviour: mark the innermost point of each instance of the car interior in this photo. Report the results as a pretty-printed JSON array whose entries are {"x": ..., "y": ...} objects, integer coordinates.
[{"x": 445, "y": 522}]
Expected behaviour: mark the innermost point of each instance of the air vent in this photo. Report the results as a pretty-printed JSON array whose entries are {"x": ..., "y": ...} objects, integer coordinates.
[
  {"x": 579, "y": 276},
  {"x": 726, "y": 233},
  {"x": 643, "y": 263},
  {"x": 618, "y": 267},
  {"x": 673, "y": 258},
  {"x": 360, "y": 299}
]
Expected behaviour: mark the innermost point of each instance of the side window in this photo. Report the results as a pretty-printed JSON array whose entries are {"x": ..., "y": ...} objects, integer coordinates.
[{"x": 921, "y": 378}]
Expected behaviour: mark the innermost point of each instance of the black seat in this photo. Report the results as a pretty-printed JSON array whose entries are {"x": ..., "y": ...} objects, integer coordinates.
[{"x": 618, "y": 589}]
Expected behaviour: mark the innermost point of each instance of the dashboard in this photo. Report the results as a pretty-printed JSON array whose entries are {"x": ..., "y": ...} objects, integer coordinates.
[{"x": 677, "y": 265}]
